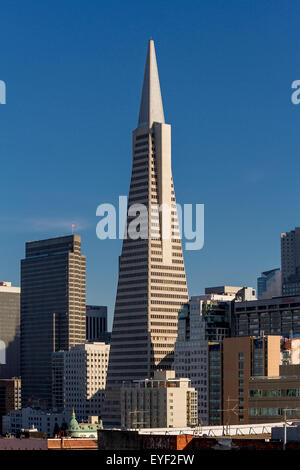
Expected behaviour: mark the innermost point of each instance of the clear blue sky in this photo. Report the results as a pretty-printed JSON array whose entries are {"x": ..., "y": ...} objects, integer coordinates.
[{"x": 74, "y": 73}]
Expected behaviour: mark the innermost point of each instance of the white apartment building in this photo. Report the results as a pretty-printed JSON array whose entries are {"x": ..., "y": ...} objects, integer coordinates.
[
  {"x": 85, "y": 369},
  {"x": 163, "y": 401}
]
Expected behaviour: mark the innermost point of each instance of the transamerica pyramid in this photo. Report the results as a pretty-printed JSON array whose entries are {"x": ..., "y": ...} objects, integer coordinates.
[{"x": 152, "y": 283}]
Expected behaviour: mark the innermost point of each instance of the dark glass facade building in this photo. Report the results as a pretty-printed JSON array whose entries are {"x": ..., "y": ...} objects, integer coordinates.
[
  {"x": 53, "y": 311},
  {"x": 96, "y": 323},
  {"x": 215, "y": 385}
]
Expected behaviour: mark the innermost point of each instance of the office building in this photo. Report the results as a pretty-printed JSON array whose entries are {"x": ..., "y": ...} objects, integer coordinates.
[
  {"x": 243, "y": 358},
  {"x": 10, "y": 396},
  {"x": 269, "y": 284},
  {"x": 277, "y": 316},
  {"x": 273, "y": 398},
  {"x": 85, "y": 369},
  {"x": 9, "y": 330},
  {"x": 152, "y": 283},
  {"x": 290, "y": 262},
  {"x": 202, "y": 325},
  {"x": 206, "y": 318},
  {"x": 163, "y": 401},
  {"x": 96, "y": 324},
  {"x": 53, "y": 311}
]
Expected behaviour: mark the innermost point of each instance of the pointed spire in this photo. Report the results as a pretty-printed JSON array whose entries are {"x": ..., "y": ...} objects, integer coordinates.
[{"x": 151, "y": 108}]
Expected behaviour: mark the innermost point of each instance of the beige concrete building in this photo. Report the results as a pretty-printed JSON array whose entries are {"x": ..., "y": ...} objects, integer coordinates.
[
  {"x": 269, "y": 397},
  {"x": 152, "y": 283},
  {"x": 161, "y": 402},
  {"x": 9, "y": 330},
  {"x": 244, "y": 357},
  {"x": 85, "y": 368}
]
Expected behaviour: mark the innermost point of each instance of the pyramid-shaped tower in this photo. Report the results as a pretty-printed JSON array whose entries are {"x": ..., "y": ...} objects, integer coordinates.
[{"x": 152, "y": 283}]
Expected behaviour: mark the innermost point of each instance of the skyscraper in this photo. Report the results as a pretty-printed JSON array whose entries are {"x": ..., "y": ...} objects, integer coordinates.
[
  {"x": 152, "y": 282},
  {"x": 290, "y": 262},
  {"x": 53, "y": 310}
]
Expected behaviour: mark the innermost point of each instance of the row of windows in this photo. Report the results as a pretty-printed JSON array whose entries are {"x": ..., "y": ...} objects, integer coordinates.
[
  {"x": 125, "y": 276},
  {"x": 168, "y": 289},
  {"x": 131, "y": 260},
  {"x": 176, "y": 268},
  {"x": 272, "y": 412},
  {"x": 140, "y": 163},
  {"x": 139, "y": 309},
  {"x": 292, "y": 392},
  {"x": 130, "y": 303},
  {"x": 154, "y": 273},
  {"x": 167, "y": 281}
]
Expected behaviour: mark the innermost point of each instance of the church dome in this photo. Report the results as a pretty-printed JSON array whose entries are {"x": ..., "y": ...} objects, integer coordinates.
[{"x": 73, "y": 425}]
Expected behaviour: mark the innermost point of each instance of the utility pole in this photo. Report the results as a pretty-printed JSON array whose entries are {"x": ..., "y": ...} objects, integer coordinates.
[
  {"x": 284, "y": 430},
  {"x": 231, "y": 410}
]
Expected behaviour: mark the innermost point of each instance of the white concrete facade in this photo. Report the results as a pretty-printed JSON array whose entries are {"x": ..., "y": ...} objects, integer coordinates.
[{"x": 85, "y": 369}]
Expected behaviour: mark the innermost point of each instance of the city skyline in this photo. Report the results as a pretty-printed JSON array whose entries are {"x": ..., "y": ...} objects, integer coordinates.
[
  {"x": 149, "y": 229},
  {"x": 243, "y": 176}
]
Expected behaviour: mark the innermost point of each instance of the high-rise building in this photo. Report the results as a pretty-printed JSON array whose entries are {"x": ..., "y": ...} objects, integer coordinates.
[
  {"x": 290, "y": 262},
  {"x": 85, "y": 369},
  {"x": 244, "y": 358},
  {"x": 269, "y": 284},
  {"x": 202, "y": 325},
  {"x": 53, "y": 311},
  {"x": 152, "y": 283},
  {"x": 9, "y": 330},
  {"x": 163, "y": 401},
  {"x": 96, "y": 323},
  {"x": 10, "y": 396}
]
